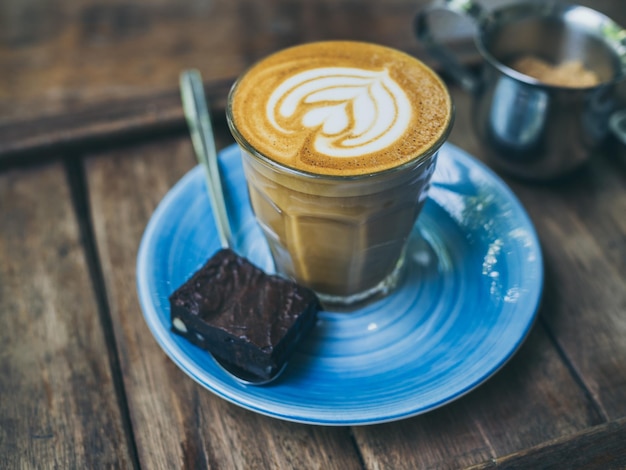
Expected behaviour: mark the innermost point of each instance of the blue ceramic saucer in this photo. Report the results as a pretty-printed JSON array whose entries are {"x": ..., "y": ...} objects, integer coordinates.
[{"x": 467, "y": 302}]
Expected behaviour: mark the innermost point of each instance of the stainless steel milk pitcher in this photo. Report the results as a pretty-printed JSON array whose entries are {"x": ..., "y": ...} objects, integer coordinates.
[{"x": 533, "y": 129}]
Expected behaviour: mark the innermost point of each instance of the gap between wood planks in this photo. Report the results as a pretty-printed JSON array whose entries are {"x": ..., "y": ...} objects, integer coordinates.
[
  {"x": 601, "y": 446},
  {"x": 75, "y": 173}
]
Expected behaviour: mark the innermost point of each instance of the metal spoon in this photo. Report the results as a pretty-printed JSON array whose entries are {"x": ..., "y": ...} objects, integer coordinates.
[{"x": 199, "y": 122}]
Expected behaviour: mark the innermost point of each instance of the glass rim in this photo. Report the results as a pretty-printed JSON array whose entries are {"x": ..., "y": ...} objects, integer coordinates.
[{"x": 269, "y": 162}]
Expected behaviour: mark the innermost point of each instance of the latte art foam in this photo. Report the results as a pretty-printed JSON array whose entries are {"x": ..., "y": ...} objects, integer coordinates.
[
  {"x": 350, "y": 111},
  {"x": 340, "y": 108}
]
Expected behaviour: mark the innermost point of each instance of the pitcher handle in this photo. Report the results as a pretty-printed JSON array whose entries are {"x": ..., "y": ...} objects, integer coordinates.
[{"x": 465, "y": 8}]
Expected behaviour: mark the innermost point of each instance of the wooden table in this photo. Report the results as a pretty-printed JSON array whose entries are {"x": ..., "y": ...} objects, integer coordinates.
[{"x": 92, "y": 137}]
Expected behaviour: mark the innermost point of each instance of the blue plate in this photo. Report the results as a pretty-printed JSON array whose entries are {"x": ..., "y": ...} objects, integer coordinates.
[{"x": 468, "y": 300}]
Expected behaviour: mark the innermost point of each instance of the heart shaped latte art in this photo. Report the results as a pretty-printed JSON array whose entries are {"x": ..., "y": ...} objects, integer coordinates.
[{"x": 349, "y": 111}]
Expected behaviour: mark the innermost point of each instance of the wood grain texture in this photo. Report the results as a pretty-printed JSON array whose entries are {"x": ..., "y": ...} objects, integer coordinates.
[
  {"x": 176, "y": 422},
  {"x": 96, "y": 127},
  {"x": 600, "y": 447},
  {"x": 58, "y": 407}
]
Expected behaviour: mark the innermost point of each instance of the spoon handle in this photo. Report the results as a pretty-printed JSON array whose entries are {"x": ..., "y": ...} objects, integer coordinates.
[{"x": 199, "y": 122}]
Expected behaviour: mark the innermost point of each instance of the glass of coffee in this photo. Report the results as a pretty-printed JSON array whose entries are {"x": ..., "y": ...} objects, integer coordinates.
[{"x": 339, "y": 141}]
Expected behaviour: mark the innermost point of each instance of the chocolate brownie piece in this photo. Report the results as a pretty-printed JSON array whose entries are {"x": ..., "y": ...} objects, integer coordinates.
[{"x": 242, "y": 315}]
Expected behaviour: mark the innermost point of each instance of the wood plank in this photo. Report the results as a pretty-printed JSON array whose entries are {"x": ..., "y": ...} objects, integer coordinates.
[
  {"x": 599, "y": 447},
  {"x": 97, "y": 126},
  {"x": 58, "y": 406},
  {"x": 177, "y": 422},
  {"x": 586, "y": 265}
]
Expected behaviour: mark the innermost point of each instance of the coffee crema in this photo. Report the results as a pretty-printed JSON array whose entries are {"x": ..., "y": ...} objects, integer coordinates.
[{"x": 340, "y": 108}]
